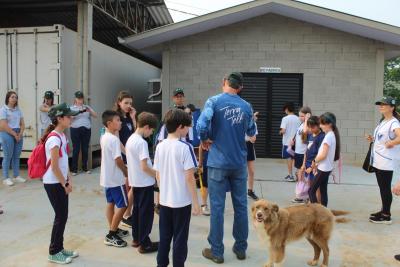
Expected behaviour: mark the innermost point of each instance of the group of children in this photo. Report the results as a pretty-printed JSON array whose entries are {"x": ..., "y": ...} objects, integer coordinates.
[
  {"x": 125, "y": 154},
  {"x": 312, "y": 145},
  {"x": 174, "y": 159}
]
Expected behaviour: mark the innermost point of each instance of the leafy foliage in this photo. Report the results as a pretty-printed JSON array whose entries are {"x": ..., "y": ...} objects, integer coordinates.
[{"x": 391, "y": 80}]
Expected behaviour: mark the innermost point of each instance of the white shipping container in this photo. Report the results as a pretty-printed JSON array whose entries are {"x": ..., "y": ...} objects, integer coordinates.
[{"x": 34, "y": 60}]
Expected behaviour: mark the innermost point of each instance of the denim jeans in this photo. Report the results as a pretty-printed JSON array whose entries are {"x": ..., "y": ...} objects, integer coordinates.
[
  {"x": 217, "y": 182},
  {"x": 11, "y": 153}
]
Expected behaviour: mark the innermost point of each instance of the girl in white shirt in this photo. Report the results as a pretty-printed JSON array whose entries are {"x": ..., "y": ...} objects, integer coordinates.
[
  {"x": 300, "y": 142},
  {"x": 48, "y": 102},
  {"x": 328, "y": 152},
  {"x": 385, "y": 140},
  {"x": 57, "y": 181}
]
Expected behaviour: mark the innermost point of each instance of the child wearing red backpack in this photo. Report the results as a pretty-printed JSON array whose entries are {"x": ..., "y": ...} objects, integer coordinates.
[{"x": 56, "y": 179}]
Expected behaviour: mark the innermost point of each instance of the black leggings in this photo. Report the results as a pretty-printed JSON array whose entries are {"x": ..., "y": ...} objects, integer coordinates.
[
  {"x": 320, "y": 182},
  {"x": 384, "y": 179},
  {"x": 59, "y": 201}
]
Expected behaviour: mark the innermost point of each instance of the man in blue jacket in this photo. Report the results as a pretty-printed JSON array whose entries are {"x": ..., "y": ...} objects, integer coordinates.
[{"x": 222, "y": 126}]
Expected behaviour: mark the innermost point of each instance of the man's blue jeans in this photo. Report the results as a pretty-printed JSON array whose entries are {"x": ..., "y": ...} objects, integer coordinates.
[
  {"x": 11, "y": 153},
  {"x": 217, "y": 185}
]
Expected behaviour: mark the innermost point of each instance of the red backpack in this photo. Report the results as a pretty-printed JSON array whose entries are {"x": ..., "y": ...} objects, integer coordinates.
[{"x": 37, "y": 165}]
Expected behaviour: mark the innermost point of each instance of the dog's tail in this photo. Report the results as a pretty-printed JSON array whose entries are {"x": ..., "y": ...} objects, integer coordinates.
[
  {"x": 342, "y": 220},
  {"x": 339, "y": 212}
]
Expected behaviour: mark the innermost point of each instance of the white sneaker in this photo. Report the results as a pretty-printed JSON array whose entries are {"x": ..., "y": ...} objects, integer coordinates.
[
  {"x": 19, "y": 179},
  {"x": 205, "y": 210},
  {"x": 74, "y": 174},
  {"x": 88, "y": 172},
  {"x": 8, "y": 182}
]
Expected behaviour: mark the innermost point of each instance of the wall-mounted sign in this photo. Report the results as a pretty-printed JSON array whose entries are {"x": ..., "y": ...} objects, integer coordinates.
[{"x": 270, "y": 69}]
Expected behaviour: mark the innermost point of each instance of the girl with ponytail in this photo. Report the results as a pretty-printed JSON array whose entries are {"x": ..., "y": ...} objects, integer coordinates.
[
  {"x": 328, "y": 152},
  {"x": 56, "y": 180}
]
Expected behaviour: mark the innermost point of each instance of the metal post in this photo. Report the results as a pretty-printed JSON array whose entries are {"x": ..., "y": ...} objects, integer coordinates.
[
  {"x": 37, "y": 133},
  {"x": 85, "y": 28}
]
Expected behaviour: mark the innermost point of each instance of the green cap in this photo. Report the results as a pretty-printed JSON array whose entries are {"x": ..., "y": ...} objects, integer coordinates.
[
  {"x": 235, "y": 79},
  {"x": 79, "y": 94},
  {"x": 386, "y": 100},
  {"x": 61, "y": 110},
  {"x": 49, "y": 95},
  {"x": 178, "y": 91}
]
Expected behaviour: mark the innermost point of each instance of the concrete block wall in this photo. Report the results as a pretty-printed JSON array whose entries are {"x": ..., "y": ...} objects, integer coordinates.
[{"x": 342, "y": 72}]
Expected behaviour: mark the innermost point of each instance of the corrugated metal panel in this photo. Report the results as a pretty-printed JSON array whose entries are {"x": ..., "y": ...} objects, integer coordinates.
[
  {"x": 255, "y": 91},
  {"x": 268, "y": 93},
  {"x": 160, "y": 14}
]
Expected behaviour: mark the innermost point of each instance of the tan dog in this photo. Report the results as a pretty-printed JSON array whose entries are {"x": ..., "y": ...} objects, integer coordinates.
[{"x": 280, "y": 226}]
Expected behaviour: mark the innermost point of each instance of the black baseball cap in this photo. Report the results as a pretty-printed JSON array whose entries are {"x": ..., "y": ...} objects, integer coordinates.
[
  {"x": 79, "y": 94},
  {"x": 61, "y": 110},
  {"x": 178, "y": 91},
  {"x": 49, "y": 95},
  {"x": 386, "y": 100},
  {"x": 235, "y": 79}
]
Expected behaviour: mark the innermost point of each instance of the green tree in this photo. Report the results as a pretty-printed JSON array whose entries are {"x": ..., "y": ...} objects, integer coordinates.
[{"x": 391, "y": 80}]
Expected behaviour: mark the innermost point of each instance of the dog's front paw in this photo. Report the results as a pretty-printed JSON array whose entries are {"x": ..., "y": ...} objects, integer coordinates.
[
  {"x": 312, "y": 262},
  {"x": 269, "y": 264},
  {"x": 323, "y": 265}
]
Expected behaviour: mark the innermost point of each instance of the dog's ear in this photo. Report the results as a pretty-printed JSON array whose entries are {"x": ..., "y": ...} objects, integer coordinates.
[{"x": 275, "y": 208}]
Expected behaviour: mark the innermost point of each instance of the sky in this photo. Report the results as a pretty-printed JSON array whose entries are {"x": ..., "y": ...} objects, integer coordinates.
[{"x": 386, "y": 11}]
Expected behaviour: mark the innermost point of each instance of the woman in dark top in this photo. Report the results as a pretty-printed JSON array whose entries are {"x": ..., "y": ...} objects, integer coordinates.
[{"x": 124, "y": 107}]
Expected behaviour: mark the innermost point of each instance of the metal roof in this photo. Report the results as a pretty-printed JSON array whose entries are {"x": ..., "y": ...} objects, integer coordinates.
[
  {"x": 293, "y": 9},
  {"x": 160, "y": 14},
  {"x": 106, "y": 29}
]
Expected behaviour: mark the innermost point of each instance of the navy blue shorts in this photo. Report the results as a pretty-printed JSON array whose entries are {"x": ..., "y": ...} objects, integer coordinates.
[
  {"x": 298, "y": 160},
  {"x": 251, "y": 153},
  {"x": 117, "y": 195},
  {"x": 285, "y": 154}
]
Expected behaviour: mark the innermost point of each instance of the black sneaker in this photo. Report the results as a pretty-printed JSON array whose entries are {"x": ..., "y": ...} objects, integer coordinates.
[
  {"x": 208, "y": 255},
  {"x": 115, "y": 241},
  {"x": 290, "y": 178},
  {"x": 127, "y": 222},
  {"x": 239, "y": 255},
  {"x": 122, "y": 233},
  {"x": 376, "y": 214},
  {"x": 397, "y": 257},
  {"x": 152, "y": 247},
  {"x": 252, "y": 195},
  {"x": 381, "y": 219}
]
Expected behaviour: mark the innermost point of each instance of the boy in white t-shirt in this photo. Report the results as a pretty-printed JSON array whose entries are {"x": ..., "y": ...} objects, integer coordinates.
[
  {"x": 112, "y": 177},
  {"x": 141, "y": 176},
  {"x": 175, "y": 164},
  {"x": 288, "y": 129}
]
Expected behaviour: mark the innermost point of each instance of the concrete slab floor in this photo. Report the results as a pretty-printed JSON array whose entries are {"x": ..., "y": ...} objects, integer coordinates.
[{"x": 26, "y": 223}]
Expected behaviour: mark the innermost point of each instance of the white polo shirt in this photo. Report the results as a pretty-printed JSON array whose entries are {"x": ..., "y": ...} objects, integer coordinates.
[
  {"x": 110, "y": 174},
  {"x": 137, "y": 150},
  {"x": 383, "y": 158},
  {"x": 173, "y": 157},
  {"x": 13, "y": 116}
]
